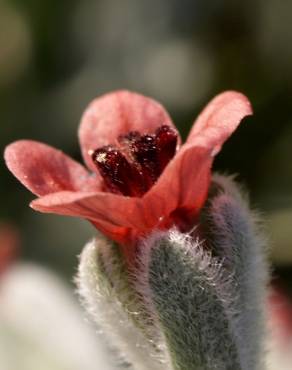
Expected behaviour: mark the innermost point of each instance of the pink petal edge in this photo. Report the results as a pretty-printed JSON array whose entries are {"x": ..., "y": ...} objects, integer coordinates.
[
  {"x": 106, "y": 207},
  {"x": 44, "y": 169},
  {"x": 115, "y": 114},
  {"x": 219, "y": 119},
  {"x": 183, "y": 184}
]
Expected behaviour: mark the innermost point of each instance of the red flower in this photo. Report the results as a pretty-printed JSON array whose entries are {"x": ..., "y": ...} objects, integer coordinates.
[{"x": 141, "y": 177}]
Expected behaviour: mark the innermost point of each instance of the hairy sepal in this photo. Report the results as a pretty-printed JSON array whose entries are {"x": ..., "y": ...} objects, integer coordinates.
[
  {"x": 185, "y": 288},
  {"x": 105, "y": 290},
  {"x": 234, "y": 234}
]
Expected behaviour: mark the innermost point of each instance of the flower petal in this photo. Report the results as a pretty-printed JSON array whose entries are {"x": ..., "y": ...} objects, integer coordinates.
[
  {"x": 44, "y": 170},
  {"x": 80, "y": 205},
  {"x": 219, "y": 119},
  {"x": 97, "y": 207},
  {"x": 183, "y": 186},
  {"x": 116, "y": 114}
]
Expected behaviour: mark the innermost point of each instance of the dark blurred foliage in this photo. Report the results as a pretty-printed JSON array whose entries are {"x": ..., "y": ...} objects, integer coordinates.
[{"x": 56, "y": 56}]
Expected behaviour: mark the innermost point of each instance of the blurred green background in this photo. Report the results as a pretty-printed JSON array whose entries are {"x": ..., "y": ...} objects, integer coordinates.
[{"x": 56, "y": 56}]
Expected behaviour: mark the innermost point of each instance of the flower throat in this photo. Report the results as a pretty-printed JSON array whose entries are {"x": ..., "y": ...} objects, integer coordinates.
[{"x": 133, "y": 165}]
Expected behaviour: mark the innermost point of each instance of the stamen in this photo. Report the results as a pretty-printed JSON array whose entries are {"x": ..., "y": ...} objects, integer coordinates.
[
  {"x": 119, "y": 175},
  {"x": 145, "y": 152},
  {"x": 125, "y": 142},
  {"x": 134, "y": 167},
  {"x": 166, "y": 141}
]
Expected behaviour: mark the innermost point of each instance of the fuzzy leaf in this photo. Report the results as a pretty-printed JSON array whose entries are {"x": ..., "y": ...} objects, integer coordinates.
[
  {"x": 106, "y": 294},
  {"x": 185, "y": 287},
  {"x": 234, "y": 234}
]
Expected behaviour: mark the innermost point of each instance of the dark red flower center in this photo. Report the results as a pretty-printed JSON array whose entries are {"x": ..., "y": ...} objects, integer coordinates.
[{"x": 133, "y": 165}]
